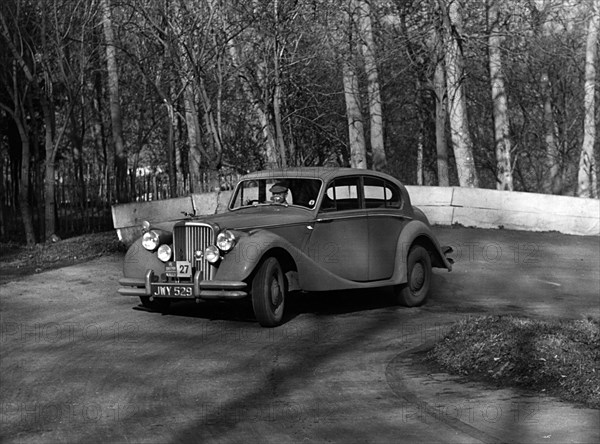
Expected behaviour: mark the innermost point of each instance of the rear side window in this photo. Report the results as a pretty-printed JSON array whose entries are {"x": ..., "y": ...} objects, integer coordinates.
[
  {"x": 341, "y": 194},
  {"x": 380, "y": 193}
]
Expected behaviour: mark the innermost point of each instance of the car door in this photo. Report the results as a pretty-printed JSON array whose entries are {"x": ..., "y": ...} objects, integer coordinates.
[
  {"x": 386, "y": 219},
  {"x": 339, "y": 238}
]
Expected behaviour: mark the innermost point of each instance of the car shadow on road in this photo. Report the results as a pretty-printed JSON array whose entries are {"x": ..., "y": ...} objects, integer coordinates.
[
  {"x": 323, "y": 303},
  {"x": 298, "y": 303}
]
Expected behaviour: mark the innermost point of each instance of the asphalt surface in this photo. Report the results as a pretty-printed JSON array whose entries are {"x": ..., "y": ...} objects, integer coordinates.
[{"x": 80, "y": 363}]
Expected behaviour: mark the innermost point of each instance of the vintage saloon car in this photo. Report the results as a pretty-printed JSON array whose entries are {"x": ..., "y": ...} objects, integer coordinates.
[{"x": 309, "y": 229}]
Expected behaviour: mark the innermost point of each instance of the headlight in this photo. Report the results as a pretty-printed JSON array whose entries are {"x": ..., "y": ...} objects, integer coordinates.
[
  {"x": 225, "y": 240},
  {"x": 212, "y": 254},
  {"x": 164, "y": 253},
  {"x": 150, "y": 240}
]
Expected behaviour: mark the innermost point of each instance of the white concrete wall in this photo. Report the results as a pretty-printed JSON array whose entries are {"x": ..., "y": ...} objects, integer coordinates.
[
  {"x": 511, "y": 210},
  {"x": 474, "y": 207}
]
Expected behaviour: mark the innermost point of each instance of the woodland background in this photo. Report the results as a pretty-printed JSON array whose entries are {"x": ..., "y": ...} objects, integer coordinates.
[{"x": 106, "y": 101}]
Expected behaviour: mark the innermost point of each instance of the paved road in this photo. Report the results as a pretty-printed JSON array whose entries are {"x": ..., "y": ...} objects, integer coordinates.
[{"x": 81, "y": 364}]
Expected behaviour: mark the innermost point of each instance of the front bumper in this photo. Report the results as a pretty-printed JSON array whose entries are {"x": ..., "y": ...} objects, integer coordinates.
[{"x": 200, "y": 289}]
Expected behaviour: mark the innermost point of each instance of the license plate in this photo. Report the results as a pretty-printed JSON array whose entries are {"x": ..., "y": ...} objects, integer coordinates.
[
  {"x": 172, "y": 290},
  {"x": 180, "y": 269}
]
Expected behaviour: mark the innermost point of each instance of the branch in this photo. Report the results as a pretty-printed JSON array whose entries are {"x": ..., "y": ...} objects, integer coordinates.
[
  {"x": 62, "y": 131},
  {"x": 15, "y": 53}
]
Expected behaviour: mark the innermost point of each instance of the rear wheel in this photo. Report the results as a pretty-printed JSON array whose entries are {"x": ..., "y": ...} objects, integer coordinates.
[
  {"x": 156, "y": 305},
  {"x": 418, "y": 268},
  {"x": 269, "y": 292}
]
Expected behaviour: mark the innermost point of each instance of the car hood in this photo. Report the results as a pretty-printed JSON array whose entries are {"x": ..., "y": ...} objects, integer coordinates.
[{"x": 259, "y": 217}]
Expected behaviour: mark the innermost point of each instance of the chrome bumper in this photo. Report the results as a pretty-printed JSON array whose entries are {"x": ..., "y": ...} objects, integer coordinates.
[{"x": 201, "y": 289}]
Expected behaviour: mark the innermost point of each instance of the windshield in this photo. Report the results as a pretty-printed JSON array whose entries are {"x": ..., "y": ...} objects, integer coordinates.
[{"x": 277, "y": 191}]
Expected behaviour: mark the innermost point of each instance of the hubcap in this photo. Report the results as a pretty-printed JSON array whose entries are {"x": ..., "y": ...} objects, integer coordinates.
[
  {"x": 417, "y": 277},
  {"x": 275, "y": 292}
]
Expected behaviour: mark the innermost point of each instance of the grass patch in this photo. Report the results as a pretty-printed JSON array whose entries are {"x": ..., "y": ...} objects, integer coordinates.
[
  {"x": 558, "y": 357},
  {"x": 19, "y": 260}
]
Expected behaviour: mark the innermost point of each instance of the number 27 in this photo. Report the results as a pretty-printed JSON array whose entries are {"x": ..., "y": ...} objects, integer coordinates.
[{"x": 184, "y": 269}]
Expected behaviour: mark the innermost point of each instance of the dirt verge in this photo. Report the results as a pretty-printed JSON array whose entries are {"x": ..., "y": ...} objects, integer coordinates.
[{"x": 18, "y": 260}]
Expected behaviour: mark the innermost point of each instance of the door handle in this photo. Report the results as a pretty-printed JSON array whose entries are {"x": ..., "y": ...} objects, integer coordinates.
[{"x": 325, "y": 221}]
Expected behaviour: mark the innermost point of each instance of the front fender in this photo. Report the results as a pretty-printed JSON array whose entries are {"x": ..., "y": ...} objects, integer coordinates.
[
  {"x": 138, "y": 260},
  {"x": 417, "y": 231},
  {"x": 239, "y": 263}
]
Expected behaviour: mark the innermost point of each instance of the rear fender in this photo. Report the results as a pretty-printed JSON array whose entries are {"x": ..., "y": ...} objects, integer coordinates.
[{"x": 417, "y": 232}]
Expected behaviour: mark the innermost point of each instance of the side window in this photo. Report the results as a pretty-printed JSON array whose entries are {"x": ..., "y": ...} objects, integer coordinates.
[
  {"x": 380, "y": 193},
  {"x": 341, "y": 194}
]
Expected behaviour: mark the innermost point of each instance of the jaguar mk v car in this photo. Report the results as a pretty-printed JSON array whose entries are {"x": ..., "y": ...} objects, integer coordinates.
[{"x": 306, "y": 229}]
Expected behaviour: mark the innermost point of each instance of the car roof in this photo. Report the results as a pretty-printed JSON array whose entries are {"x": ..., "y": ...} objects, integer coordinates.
[{"x": 323, "y": 173}]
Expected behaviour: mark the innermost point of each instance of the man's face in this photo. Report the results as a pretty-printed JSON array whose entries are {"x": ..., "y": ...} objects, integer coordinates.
[{"x": 278, "y": 197}]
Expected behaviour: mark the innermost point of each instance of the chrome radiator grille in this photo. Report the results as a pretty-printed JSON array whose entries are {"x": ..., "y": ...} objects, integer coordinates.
[{"x": 188, "y": 239}]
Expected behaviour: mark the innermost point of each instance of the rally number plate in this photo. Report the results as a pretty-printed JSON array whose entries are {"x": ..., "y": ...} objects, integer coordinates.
[
  {"x": 180, "y": 269},
  {"x": 172, "y": 290}
]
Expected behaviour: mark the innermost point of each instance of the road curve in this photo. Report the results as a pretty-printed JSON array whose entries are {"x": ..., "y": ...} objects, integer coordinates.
[{"x": 80, "y": 363}]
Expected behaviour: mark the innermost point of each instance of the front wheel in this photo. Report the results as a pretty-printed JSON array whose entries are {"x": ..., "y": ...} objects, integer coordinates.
[
  {"x": 160, "y": 305},
  {"x": 418, "y": 268},
  {"x": 269, "y": 293}
]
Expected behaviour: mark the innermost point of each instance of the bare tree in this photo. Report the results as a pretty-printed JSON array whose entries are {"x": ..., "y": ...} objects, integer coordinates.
[
  {"x": 114, "y": 100},
  {"x": 18, "y": 90},
  {"x": 354, "y": 116},
  {"x": 457, "y": 101},
  {"x": 365, "y": 29},
  {"x": 441, "y": 106},
  {"x": 587, "y": 178},
  {"x": 542, "y": 29},
  {"x": 356, "y": 132},
  {"x": 499, "y": 100}
]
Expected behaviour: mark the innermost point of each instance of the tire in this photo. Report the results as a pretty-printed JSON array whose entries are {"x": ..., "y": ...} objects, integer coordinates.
[
  {"x": 160, "y": 305},
  {"x": 418, "y": 270},
  {"x": 269, "y": 291}
]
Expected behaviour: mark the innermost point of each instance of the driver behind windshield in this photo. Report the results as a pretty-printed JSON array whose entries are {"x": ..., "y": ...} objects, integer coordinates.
[{"x": 279, "y": 193}]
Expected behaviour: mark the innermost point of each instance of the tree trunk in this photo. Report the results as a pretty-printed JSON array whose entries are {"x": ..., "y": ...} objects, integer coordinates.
[
  {"x": 373, "y": 87},
  {"x": 193, "y": 127},
  {"x": 440, "y": 125},
  {"x": 587, "y": 177},
  {"x": 457, "y": 101},
  {"x": 190, "y": 93},
  {"x": 171, "y": 156},
  {"x": 24, "y": 204},
  {"x": 115, "y": 106},
  {"x": 2, "y": 201},
  {"x": 356, "y": 133},
  {"x": 499, "y": 101},
  {"x": 49, "y": 180},
  {"x": 212, "y": 129},
  {"x": 97, "y": 130},
  {"x": 277, "y": 90},
  {"x": 420, "y": 155},
  {"x": 552, "y": 183}
]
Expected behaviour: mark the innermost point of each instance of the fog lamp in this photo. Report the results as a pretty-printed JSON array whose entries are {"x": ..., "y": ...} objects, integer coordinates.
[
  {"x": 212, "y": 254},
  {"x": 164, "y": 253}
]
